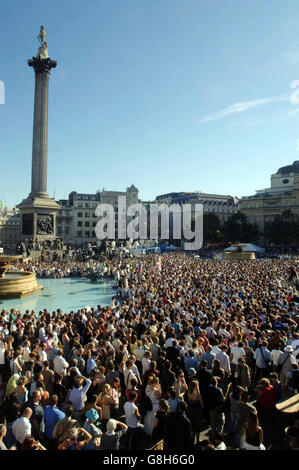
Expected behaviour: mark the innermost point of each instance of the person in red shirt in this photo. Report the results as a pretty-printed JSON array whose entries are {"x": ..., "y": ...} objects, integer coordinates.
[
  {"x": 266, "y": 400},
  {"x": 203, "y": 336},
  {"x": 266, "y": 394}
]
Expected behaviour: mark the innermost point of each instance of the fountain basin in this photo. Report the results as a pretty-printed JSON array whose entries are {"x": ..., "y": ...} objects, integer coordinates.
[
  {"x": 68, "y": 294},
  {"x": 20, "y": 284}
]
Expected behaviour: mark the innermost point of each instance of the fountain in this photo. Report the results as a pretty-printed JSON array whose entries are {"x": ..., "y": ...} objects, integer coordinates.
[
  {"x": 239, "y": 253},
  {"x": 16, "y": 284}
]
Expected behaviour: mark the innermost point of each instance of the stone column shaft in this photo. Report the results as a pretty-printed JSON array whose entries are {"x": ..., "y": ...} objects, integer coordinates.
[
  {"x": 40, "y": 136},
  {"x": 42, "y": 69}
]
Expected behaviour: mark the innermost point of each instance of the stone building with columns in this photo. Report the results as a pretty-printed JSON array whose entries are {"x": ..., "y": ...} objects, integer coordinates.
[{"x": 282, "y": 195}]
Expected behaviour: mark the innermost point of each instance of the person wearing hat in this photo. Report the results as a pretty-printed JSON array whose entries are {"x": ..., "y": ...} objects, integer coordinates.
[
  {"x": 91, "y": 417},
  {"x": 114, "y": 431},
  {"x": 285, "y": 362}
]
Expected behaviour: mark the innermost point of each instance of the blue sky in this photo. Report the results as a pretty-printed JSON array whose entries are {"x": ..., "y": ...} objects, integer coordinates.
[{"x": 171, "y": 95}]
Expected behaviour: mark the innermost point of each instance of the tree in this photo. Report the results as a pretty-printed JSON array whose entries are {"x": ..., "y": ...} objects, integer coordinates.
[
  {"x": 212, "y": 229},
  {"x": 237, "y": 229},
  {"x": 283, "y": 230}
]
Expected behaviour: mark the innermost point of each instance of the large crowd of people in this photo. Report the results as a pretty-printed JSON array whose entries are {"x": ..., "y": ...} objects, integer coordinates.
[
  {"x": 58, "y": 269},
  {"x": 193, "y": 352}
]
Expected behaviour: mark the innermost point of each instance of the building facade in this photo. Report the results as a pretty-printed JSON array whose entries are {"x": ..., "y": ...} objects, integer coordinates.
[
  {"x": 221, "y": 205},
  {"x": 10, "y": 226},
  {"x": 282, "y": 195},
  {"x": 76, "y": 220},
  {"x": 64, "y": 221}
]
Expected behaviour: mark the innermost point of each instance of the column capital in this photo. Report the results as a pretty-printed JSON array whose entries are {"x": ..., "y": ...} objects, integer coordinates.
[{"x": 42, "y": 65}]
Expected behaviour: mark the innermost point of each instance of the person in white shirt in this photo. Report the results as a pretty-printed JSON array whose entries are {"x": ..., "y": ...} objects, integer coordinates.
[
  {"x": 188, "y": 340},
  {"x": 216, "y": 350},
  {"x": 235, "y": 353},
  {"x": 132, "y": 412},
  {"x": 168, "y": 342},
  {"x": 222, "y": 331},
  {"x": 295, "y": 345},
  {"x": 128, "y": 373},
  {"x": 146, "y": 361},
  {"x": 26, "y": 352},
  {"x": 43, "y": 353},
  {"x": 116, "y": 343},
  {"x": 139, "y": 352},
  {"x": 2, "y": 351},
  {"x": 218, "y": 442},
  {"x": 275, "y": 354},
  {"x": 42, "y": 332},
  {"x": 60, "y": 365},
  {"x": 22, "y": 426}
]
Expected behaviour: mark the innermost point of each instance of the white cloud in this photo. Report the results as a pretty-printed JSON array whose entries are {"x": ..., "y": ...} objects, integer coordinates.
[{"x": 241, "y": 107}]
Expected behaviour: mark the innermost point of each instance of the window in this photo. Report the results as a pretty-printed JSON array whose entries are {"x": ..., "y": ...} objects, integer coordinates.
[
  {"x": 87, "y": 204},
  {"x": 87, "y": 214},
  {"x": 87, "y": 234},
  {"x": 87, "y": 224},
  {"x": 80, "y": 214},
  {"x": 79, "y": 234},
  {"x": 79, "y": 224}
]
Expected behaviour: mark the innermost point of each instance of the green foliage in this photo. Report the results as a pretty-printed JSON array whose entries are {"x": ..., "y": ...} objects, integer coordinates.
[
  {"x": 238, "y": 229},
  {"x": 212, "y": 228},
  {"x": 235, "y": 229},
  {"x": 283, "y": 230}
]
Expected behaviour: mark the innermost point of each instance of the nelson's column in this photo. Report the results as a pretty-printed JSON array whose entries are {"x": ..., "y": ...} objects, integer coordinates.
[{"x": 39, "y": 210}]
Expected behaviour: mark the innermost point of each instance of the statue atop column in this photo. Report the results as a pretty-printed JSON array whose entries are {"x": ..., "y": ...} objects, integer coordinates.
[
  {"x": 42, "y": 52},
  {"x": 42, "y": 62}
]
